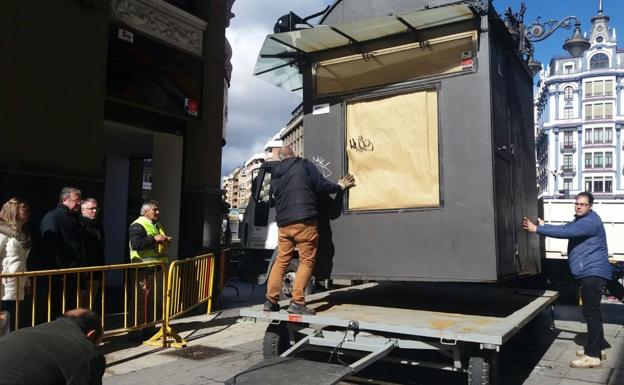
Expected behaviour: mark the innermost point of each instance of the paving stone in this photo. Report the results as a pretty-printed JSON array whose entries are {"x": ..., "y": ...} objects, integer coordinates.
[
  {"x": 551, "y": 369},
  {"x": 598, "y": 375},
  {"x": 538, "y": 379},
  {"x": 556, "y": 350}
]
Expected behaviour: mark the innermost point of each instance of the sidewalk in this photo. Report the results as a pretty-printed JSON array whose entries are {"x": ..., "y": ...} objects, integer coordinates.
[{"x": 222, "y": 345}]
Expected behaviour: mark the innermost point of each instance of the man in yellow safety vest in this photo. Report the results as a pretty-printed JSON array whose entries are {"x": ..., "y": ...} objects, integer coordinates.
[{"x": 148, "y": 243}]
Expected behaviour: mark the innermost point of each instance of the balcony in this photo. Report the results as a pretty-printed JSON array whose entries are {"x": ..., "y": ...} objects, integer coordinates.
[
  {"x": 567, "y": 148},
  {"x": 568, "y": 171}
]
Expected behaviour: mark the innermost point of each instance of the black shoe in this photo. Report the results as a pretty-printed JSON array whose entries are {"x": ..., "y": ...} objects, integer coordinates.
[
  {"x": 296, "y": 308},
  {"x": 271, "y": 306}
]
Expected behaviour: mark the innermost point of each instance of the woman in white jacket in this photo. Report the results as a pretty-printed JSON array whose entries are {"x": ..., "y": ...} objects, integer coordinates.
[{"x": 15, "y": 245}]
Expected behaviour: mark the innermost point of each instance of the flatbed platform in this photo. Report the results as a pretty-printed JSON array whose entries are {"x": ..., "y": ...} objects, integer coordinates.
[{"x": 449, "y": 312}]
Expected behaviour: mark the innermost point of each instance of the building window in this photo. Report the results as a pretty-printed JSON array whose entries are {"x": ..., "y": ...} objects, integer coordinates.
[
  {"x": 588, "y": 160},
  {"x": 608, "y": 159},
  {"x": 608, "y": 135},
  {"x": 598, "y": 138},
  {"x": 598, "y": 88},
  {"x": 567, "y": 184},
  {"x": 568, "y": 93},
  {"x": 588, "y": 184},
  {"x": 608, "y": 185},
  {"x": 568, "y": 139},
  {"x": 598, "y": 185},
  {"x": 568, "y": 68},
  {"x": 567, "y": 162},
  {"x": 599, "y": 60},
  {"x": 567, "y": 113},
  {"x": 598, "y": 111},
  {"x": 598, "y": 160},
  {"x": 588, "y": 136},
  {"x": 599, "y": 39}
]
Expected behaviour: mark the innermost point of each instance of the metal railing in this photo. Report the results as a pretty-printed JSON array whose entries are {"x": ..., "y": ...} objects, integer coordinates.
[
  {"x": 55, "y": 291},
  {"x": 144, "y": 294}
]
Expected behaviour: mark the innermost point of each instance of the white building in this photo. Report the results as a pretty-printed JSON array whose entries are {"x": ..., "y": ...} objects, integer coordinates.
[{"x": 578, "y": 117}]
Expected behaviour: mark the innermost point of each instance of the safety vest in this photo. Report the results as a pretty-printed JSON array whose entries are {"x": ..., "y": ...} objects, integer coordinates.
[{"x": 154, "y": 254}]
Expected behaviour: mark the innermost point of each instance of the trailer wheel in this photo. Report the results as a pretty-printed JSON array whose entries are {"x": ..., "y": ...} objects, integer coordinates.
[
  {"x": 478, "y": 371},
  {"x": 275, "y": 341},
  {"x": 289, "y": 280}
]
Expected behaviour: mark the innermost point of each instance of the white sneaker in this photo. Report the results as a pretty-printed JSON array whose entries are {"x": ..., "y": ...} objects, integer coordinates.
[
  {"x": 586, "y": 362},
  {"x": 581, "y": 353}
]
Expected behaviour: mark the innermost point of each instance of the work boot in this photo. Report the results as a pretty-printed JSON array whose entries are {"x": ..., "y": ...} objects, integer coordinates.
[
  {"x": 271, "y": 306},
  {"x": 297, "y": 308},
  {"x": 581, "y": 353},
  {"x": 586, "y": 362}
]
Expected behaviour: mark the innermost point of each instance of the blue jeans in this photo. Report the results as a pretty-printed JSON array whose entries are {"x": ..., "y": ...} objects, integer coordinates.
[{"x": 591, "y": 292}]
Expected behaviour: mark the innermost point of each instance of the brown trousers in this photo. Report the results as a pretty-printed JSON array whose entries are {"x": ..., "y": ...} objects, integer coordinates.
[{"x": 304, "y": 236}]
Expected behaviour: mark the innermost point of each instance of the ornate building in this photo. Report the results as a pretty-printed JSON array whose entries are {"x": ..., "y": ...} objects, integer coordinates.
[{"x": 579, "y": 110}]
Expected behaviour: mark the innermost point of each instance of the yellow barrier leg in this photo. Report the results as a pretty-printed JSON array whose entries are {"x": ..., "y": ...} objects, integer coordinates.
[{"x": 169, "y": 339}]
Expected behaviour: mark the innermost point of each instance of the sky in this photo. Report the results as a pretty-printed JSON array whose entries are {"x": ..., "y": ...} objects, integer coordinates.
[{"x": 258, "y": 110}]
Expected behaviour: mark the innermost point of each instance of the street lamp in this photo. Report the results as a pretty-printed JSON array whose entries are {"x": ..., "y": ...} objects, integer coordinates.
[{"x": 538, "y": 31}]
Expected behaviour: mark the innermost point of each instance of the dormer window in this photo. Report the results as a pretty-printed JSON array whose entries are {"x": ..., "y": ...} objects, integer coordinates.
[{"x": 599, "y": 60}]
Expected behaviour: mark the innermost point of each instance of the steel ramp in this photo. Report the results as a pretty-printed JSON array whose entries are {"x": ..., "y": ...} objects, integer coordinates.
[{"x": 289, "y": 371}]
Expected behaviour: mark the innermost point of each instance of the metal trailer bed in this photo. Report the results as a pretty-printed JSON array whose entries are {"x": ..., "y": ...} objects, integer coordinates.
[{"x": 391, "y": 321}]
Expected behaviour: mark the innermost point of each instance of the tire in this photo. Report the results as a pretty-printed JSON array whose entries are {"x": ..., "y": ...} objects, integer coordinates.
[
  {"x": 275, "y": 341},
  {"x": 478, "y": 371},
  {"x": 289, "y": 279}
]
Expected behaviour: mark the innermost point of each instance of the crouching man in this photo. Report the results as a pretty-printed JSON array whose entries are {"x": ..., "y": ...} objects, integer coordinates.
[{"x": 59, "y": 352}]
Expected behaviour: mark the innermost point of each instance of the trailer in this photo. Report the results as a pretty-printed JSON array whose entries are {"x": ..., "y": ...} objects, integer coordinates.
[{"x": 451, "y": 327}]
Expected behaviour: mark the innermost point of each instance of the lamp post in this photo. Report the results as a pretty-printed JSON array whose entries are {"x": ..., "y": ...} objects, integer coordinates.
[{"x": 576, "y": 44}]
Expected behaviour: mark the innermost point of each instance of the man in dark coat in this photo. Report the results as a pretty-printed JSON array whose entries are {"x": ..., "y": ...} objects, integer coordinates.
[
  {"x": 61, "y": 235},
  {"x": 295, "y": 183},
  {"x": 93, "y": 251},
  {"x": 59, "y": 352},
  {"x": 61, "y": 247}
]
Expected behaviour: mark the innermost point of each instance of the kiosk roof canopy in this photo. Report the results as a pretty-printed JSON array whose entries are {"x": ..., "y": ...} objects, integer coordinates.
[{"x": 276, "y": 62}]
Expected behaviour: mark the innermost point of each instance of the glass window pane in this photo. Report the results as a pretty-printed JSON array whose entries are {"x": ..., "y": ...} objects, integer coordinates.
[
  {"x": 609, "y": 87},
  {"x": 608, "y": 184},
  {"x": 588, "y": 89},
  {"x": 608, "y": 135},
  {"x": 598, "y": 135},
  {"x": 598, "y": 111},
  {"x": 598, "y": 160},
  {"x": 588, "y": 112},
  {"x": 608, "y": 111},
  {"x": 598, "y": 88},
  {"x": 588, "y": 136},
  {"x": 598, "y": 185},
  {"x": 588, "y": 184},
  {"x": 608, "y": 159},
  {"x": 588, "y": 160}
]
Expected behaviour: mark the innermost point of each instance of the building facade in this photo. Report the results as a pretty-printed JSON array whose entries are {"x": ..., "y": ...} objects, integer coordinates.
[
  {"x": 112, "y": 96},
  {"x": 579, "y": 111}
]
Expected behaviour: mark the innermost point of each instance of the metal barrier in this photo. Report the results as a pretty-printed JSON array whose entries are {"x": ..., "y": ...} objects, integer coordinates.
[
  {"x": 170, "y": 291},
  {"x": 55, "y": 291},
  {"x": 190, "y": 284}
]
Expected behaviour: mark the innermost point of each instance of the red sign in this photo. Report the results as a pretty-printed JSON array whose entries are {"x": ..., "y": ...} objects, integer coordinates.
[
  {"x": 294, "y": 318},
  {"x": 191, "y": 106}
]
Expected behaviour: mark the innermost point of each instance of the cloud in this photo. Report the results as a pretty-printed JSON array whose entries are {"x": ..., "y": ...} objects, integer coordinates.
[{"x": 256, "y": 110}]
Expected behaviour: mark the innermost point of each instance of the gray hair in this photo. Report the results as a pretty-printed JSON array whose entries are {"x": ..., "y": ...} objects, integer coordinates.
[
  {"x": 89, "y": 200},
  {"x": 148, "y": 205},
  {"x": 67, "y": 191}
]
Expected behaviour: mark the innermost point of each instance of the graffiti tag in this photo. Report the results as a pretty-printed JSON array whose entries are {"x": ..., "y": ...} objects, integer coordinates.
[
  {"x": 322, "y": 165},
  {"x": 360, "y": 144}
]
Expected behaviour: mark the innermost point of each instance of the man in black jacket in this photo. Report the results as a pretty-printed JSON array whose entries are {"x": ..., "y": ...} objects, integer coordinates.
[
  {"x": 61, "y": 243},
  {"x": 295, "y": 183},
  {"x": 59, "y": 352},
  {"x": 61, "y": 235}
]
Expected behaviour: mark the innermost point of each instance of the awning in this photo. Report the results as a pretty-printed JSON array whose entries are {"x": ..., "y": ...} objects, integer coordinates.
[{"x": 277, "y": 59}]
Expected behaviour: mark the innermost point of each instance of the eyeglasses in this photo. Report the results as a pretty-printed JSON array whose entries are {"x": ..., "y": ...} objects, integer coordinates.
[
  {"x": 94, "y": 209},
  {"x": 581, "y": 204}
]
